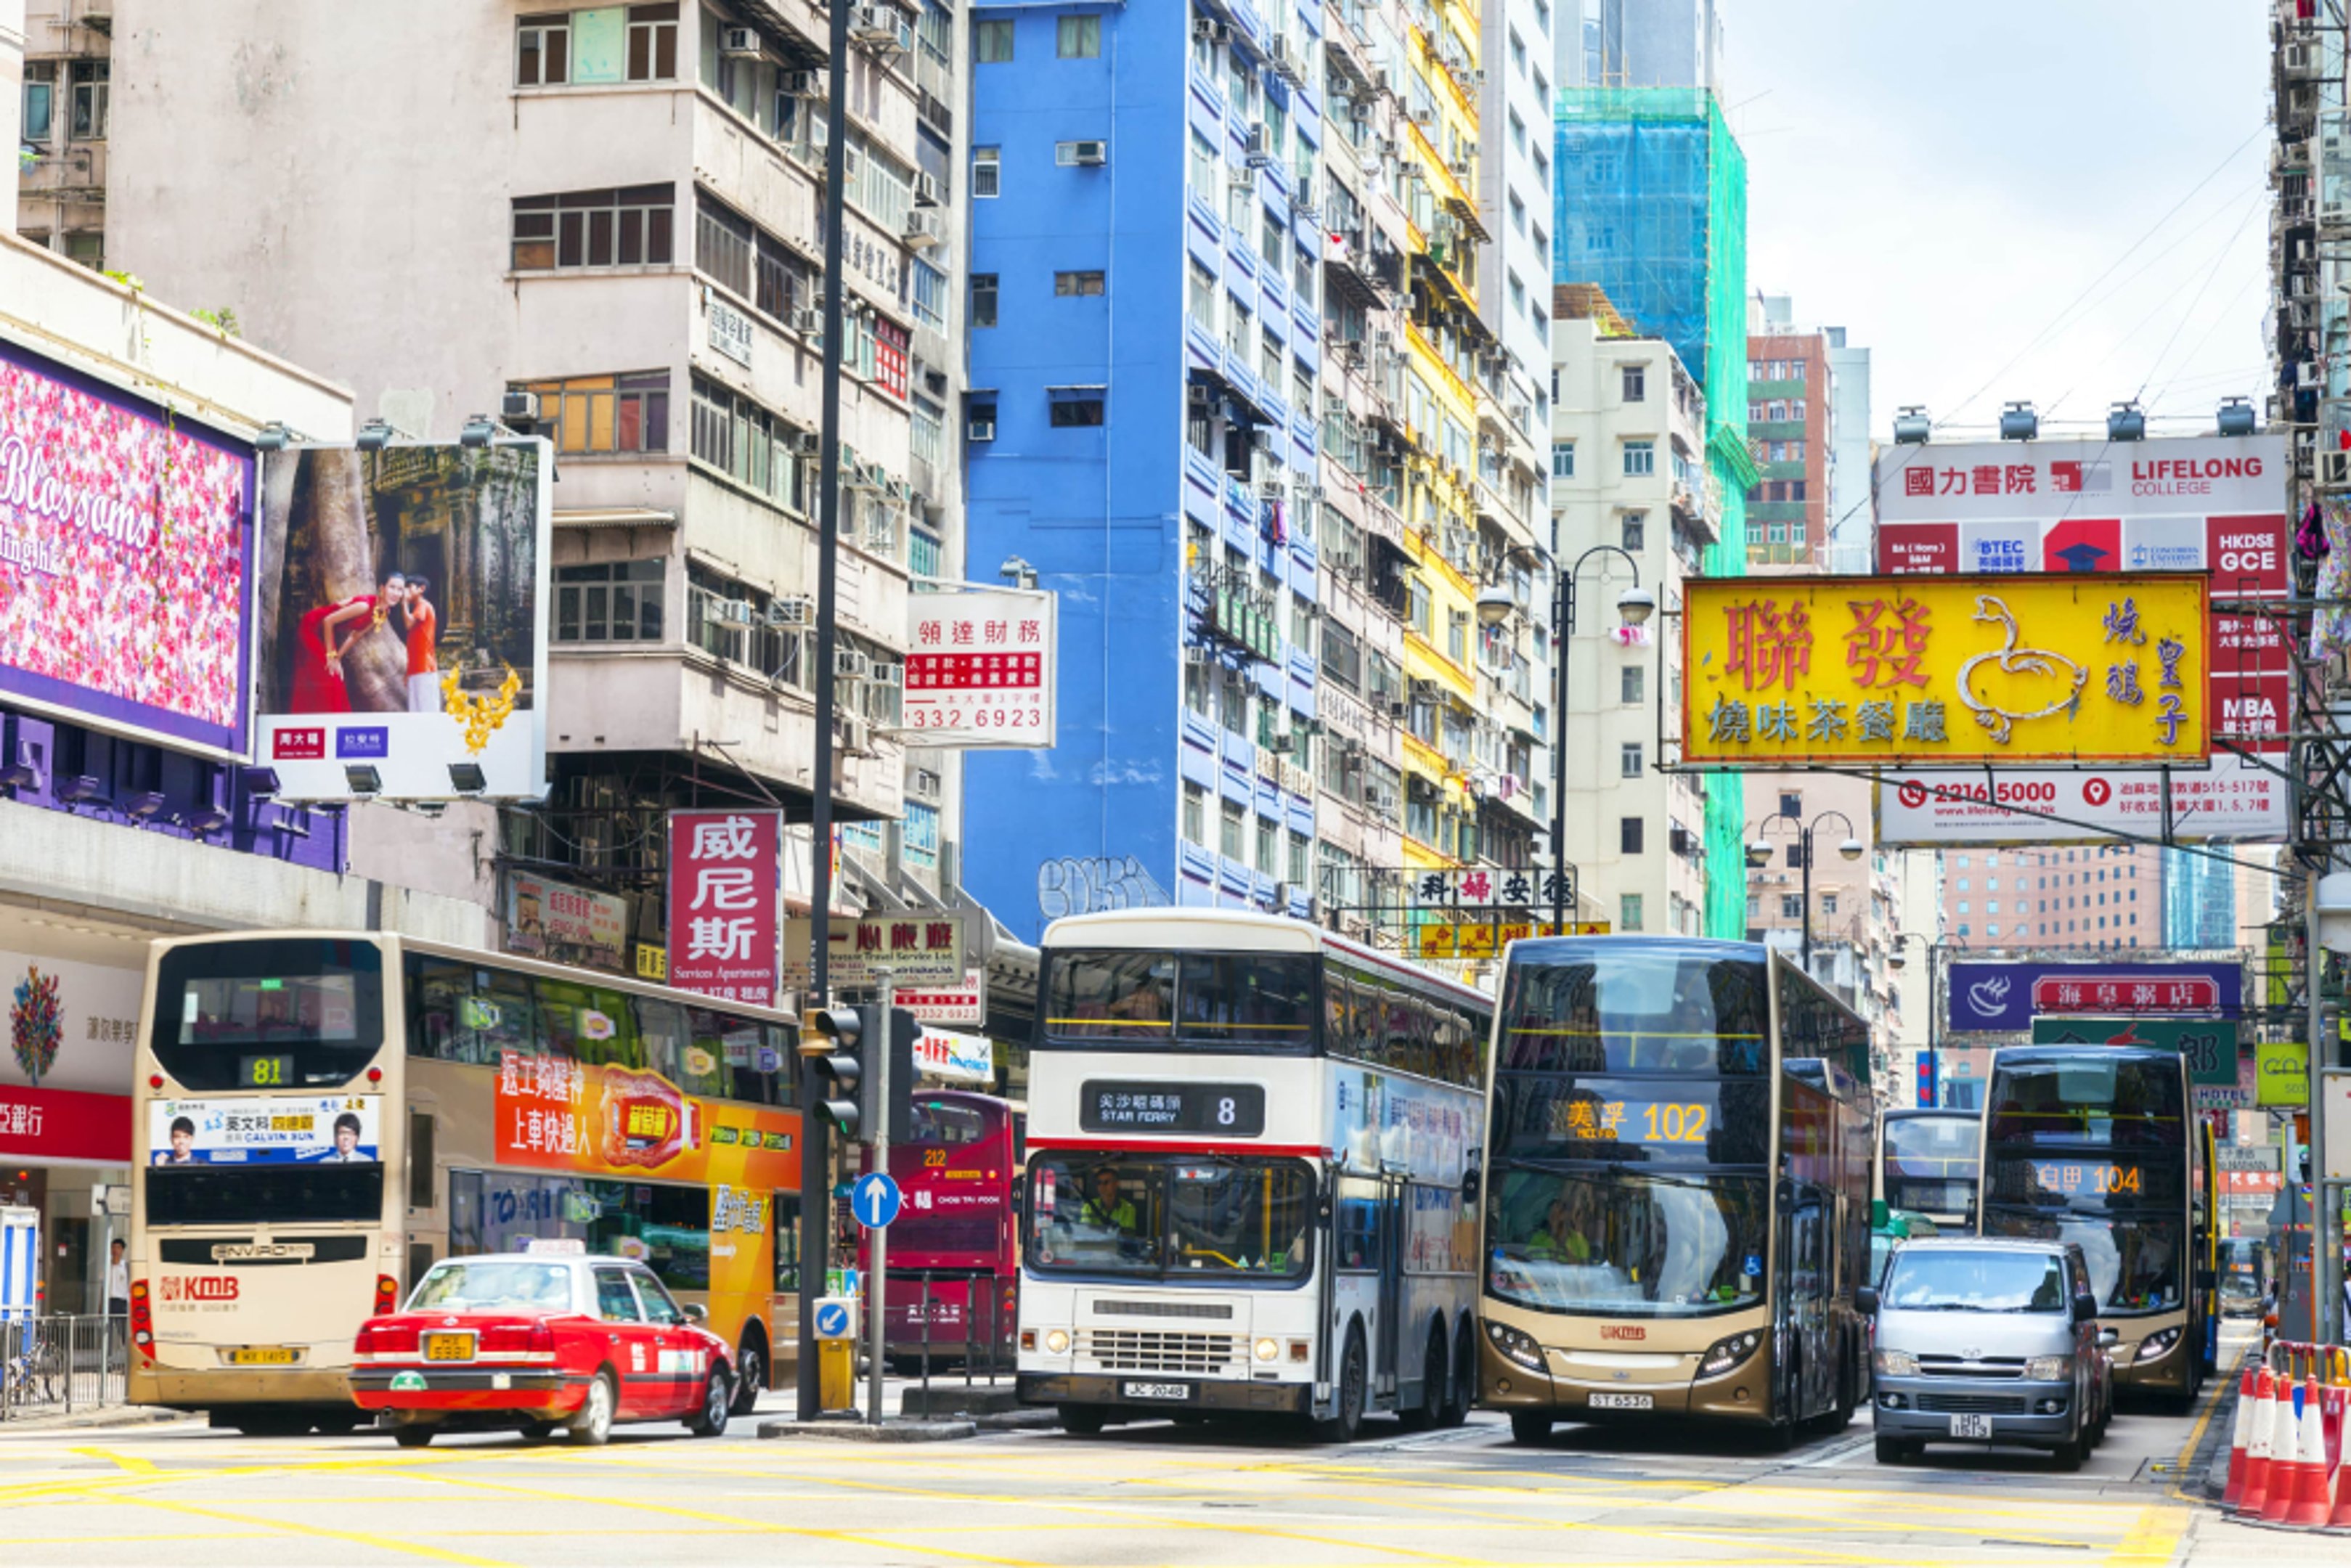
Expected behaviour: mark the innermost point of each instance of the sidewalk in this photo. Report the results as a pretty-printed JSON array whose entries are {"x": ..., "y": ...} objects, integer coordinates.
[{"x": 104, "y": 1415}]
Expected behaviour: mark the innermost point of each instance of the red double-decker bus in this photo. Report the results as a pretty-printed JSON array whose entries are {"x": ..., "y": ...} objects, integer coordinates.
[{"x": 955, "y": 1248}]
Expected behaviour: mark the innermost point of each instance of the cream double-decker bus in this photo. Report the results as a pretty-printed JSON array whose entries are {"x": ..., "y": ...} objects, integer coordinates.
[
  {"x": 1676, "y": 1188},
  {"x": 321, "y": 1115}
]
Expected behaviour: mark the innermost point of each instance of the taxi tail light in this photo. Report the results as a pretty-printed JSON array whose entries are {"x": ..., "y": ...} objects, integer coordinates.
[
  {"x": 534, "y": 1335},
  {"x": 542, "y": 1336},
  {"x": 142, "y": 1318},
  {"x": 363, "y": 1342},
  {"x": 387, "y": 1294},
  {"x": 386, "y": 1338}
]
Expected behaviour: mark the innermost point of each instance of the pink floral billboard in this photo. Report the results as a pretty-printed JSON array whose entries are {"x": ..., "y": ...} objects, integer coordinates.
[{"x": 126, "y": 559}]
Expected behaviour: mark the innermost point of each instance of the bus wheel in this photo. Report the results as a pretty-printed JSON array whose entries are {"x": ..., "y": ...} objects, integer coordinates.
[
  {"x": 1462, "y": 1388},
  {"x": 1085, "y": 1420},
  {"x": 1529, "y": 1426},
  {"x": 751, "y": 1373},
  {"x": 1436, "y": 1382},
  {"x": 1354, "y": 1390}
]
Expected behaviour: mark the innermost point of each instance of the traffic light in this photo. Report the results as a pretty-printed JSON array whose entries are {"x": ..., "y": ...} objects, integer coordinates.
[
  {"x": 904, "y": 1031},
  {"x": 831, "y": 1038}
]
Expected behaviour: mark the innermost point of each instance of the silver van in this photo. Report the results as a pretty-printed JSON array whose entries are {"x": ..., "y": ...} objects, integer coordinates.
[{"x": 1981, "y": 1339}]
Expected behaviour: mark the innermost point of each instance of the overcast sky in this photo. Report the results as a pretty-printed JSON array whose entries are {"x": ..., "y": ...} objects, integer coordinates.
[{"x": 1945, "y": 182}]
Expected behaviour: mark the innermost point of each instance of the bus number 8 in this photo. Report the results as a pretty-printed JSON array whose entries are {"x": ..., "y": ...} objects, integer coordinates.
[
  {"x": 1225, "y": 1111},
  {"x": 1673, "y": 1124}
]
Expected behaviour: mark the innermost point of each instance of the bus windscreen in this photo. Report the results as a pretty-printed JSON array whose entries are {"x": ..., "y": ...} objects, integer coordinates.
[
  {"x": 281, "y": 1013},
  {"x": 1647, "y": 1009}
]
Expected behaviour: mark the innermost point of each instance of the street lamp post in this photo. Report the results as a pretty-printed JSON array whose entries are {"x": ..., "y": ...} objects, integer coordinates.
[
  {"x": 1934, "y": 1002},
  {"x": 1636, "y": 604},
  {"x": 1759, "y": 855}
]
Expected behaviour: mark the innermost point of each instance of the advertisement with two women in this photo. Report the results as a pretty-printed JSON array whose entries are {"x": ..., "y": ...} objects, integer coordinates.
[{"x": 401, "y": 625}]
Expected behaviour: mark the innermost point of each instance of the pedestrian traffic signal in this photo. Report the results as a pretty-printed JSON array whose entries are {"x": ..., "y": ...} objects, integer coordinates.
[
  {"x": 831, "y": 1039},
  {"x": 904, "y": 1030}
]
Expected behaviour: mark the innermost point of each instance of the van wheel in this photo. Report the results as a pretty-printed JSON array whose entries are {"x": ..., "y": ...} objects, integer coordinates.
[
  {"x": 1896, "y": 1452},
  {"x": 1354, "y": 1390},
  {"x": 2069, "y": 1454},
  {"x": 1530, "y": 1428}
]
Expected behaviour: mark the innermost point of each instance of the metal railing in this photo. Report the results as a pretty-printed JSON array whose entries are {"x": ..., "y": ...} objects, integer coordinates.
[{"x": 61, "y": 1365}]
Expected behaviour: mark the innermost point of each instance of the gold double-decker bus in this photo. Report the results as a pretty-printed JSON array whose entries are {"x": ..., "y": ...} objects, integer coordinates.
[
  {"x": 321, "y": 1115},
  {"x": 1677, "y": 1189}
]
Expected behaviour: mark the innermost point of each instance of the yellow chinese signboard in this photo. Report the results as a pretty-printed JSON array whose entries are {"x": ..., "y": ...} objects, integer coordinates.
[
  {"x": 1468, "y": 940},
  {"x": 2090, "y": 667}
]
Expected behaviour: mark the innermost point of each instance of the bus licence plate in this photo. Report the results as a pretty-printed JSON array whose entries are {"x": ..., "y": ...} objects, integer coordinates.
[
  {"x": 448, "y": 1347},
  {"x": 1623, "y": 1402},
  {"x": 1970, "y": 1426},
  {"x": 264, "y": 1355},
  {"x": 1175, "y": 1392}
]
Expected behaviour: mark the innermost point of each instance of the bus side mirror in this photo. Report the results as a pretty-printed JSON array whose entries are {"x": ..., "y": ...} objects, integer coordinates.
[
  {"x": 1472, "y": 1184},
  {"x": 1865, "y": 1301},
  {"x": 2085, "y": 1309}
]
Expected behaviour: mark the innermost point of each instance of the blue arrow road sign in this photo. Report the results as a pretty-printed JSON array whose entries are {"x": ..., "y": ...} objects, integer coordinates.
[
  {"x": 832, "y": 1320},
  {"x": 876, "y": 1203}
]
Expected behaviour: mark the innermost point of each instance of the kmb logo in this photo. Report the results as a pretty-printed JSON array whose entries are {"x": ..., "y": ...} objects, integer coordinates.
[
  {"x": 1622, "y": 1331},
  {"x": 199, "y": 1287}
]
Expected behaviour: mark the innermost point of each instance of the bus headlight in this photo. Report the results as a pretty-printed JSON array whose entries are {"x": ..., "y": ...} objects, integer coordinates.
[
  {"x": 1268, "y": 1350},
  {"x": 1057, "y": 1342},
  {"x": 1725, "y": 1353},
  {"x": 1518, "y": 1347},
  {"x": 2158, "y": 1343},
  {"x": 1895, "y": 1363}
]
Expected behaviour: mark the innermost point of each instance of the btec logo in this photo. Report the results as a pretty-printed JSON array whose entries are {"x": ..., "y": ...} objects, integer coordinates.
[
  {"x": 299, "y": 745},
  {"x": 199, "y": 1287}
]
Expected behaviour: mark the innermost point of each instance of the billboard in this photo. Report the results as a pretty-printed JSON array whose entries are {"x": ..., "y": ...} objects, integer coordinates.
[
  {"x": 726, "y": 897},
  {"x": 2213, "y": 504},
  {"x": 2006, "y": 996},
  {"x": 1790, "y": 672},
  {"x": 258, "y": 1129},
  {"x": 403, "y": 623},
  {"x": 980, "y": 669},
  {"x": 565, "y": 924},
  {"x": 2209, "y": 1044},
  {"x": 126, "y": 560},
  {"x": 921, "y": 950}
]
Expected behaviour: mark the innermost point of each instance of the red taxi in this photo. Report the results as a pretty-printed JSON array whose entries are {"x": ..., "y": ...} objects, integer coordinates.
[{"x": 537, "y": 1341}]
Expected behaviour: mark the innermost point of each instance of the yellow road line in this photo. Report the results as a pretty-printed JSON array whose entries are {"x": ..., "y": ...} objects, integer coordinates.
[
  {"x": 2155, "y": 1538},
  {"x": 124, "y": 1461},
  {"x": 357, "y": 1537}
]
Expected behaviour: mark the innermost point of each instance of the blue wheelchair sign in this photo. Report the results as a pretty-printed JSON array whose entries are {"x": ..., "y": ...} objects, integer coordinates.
[{"x": 876, "y": 1200}]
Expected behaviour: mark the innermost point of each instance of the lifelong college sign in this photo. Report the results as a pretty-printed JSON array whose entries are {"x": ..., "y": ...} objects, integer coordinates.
[{"x": 1876, "y": 670}]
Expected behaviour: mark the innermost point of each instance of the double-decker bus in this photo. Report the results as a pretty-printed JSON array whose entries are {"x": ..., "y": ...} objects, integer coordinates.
[
  {"x": 955, "y": 1248},
  {"x": 326, "y": 1114},
  {"x": 2095, "y": 1143},
  {"x": 1676, "y": 1188},
  {"x": 1249, "y": 1144},
  {"x": 1926, "y": 1164}
]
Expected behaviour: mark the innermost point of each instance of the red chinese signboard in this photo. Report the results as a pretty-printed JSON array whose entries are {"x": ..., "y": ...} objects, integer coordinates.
[
  {"x": 2125, "y": 994},
  {"x": 64, "y": 1124},
  {"x": 726, "y": 895}
]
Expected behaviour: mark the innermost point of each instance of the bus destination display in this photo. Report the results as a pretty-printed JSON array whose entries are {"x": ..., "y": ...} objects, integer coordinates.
[{"x": 1224, "y": 1110}]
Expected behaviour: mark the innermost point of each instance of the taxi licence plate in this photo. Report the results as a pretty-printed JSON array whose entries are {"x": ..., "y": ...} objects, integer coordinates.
[
  {"x": 448, "y": 1347},
  {"x": 264, "y": 1355},
  {"x": 1624, "y": 1401}
]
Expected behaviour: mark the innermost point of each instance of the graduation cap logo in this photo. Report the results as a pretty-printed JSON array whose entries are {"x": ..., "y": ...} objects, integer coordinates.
[
  {"x": 2080, "y": 558},
  {"x": 2083, "y": 544}
]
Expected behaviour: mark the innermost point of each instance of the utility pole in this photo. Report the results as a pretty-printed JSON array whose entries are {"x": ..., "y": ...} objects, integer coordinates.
[
  {"x": 879, "y": 1052},
  {"x": 816, "y": 1164}
]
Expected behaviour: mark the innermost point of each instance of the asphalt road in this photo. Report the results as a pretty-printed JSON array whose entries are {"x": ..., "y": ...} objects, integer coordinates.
[{"x": 189, "y": 1497}]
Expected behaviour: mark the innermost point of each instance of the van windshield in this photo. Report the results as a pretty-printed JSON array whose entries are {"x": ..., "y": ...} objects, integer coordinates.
[{"x": 1940, "y": 1281}]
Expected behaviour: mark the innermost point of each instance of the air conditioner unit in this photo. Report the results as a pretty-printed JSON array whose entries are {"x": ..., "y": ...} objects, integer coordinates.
[
  {"x": 1209, "y": 32},
  {"x": 1196, "y": 654},
  {"x": 809, "y": 323},
  {"x": 1399, "y": 708},
  {"x": 1088, "y": 154},
  {"x": 733, "y": 611},
  {"x": 1277, "y": 743},
  {"x": 807, "y": 443},
  {"x": 799, "y": 84},
  {"x": 890, "y": 673},
  {"x": 739, "y": 43},
  {"x": 856, "y": 736},
  {"x": 848, "y": 664},
  {"x": 791, "y": 612},
  {"x": 926, "y": 189},
  {"x": 924, "y": 229},
  {"x": 1271, "y": 489},
  {"x": 520, "y": 408},
  {"x": 1198, "y": 395},
  {"x": 980, "y": 430},
  {"x": 1242, "y": 178},
  {"x": 2334, "y": 470},
  {"x": 874, "y": 25},
  {"x": 1259, "y": 146},
  {"x": 1464, "y": 171}
]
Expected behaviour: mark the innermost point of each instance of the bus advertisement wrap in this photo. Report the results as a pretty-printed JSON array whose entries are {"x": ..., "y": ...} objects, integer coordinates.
[
  {"x": 330, "y": 1129},
  {"x": 402, "y": 649}
]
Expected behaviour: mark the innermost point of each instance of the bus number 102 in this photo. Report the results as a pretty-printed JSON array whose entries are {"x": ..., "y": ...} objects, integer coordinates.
[{"x": 1673, "y": 1124}]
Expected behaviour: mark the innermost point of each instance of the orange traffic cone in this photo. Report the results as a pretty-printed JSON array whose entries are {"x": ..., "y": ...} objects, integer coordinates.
[
  {"x": 2286, "y": 1463},
  {"x": 2236, "y": 1492},
  {"x": 2314, "y": 1487},
  {"x": 2259, "y": 1442}
]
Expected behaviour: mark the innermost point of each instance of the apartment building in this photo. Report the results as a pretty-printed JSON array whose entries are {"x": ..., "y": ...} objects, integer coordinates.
[
  {"x": 1243, "y": 409},
  {"x": 2091, "y": 896},
  {"x": 1629, "y": 495},
  {"x": 616, "y": 211},
  {"x": 64, "y": 111},
  {"x": 1789, "y": 404}
]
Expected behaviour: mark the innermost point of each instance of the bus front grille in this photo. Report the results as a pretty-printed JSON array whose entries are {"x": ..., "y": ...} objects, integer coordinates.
[
  {"x": 1146, "y": 1349},
  {"x": 1974, "y": 1404}
]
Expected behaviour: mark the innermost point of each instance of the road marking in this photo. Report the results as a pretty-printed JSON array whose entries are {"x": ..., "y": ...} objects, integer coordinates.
[
  {"x": 357, "y": 1537},
  {"x": 1835, "y": 1456},
  {"x": 126, "y": 1461},
  {"x": 2153, "y": 1537}
]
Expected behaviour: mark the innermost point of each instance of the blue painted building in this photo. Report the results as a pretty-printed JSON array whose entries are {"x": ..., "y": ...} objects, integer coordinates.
[{"x": 1144, "y": 348}]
